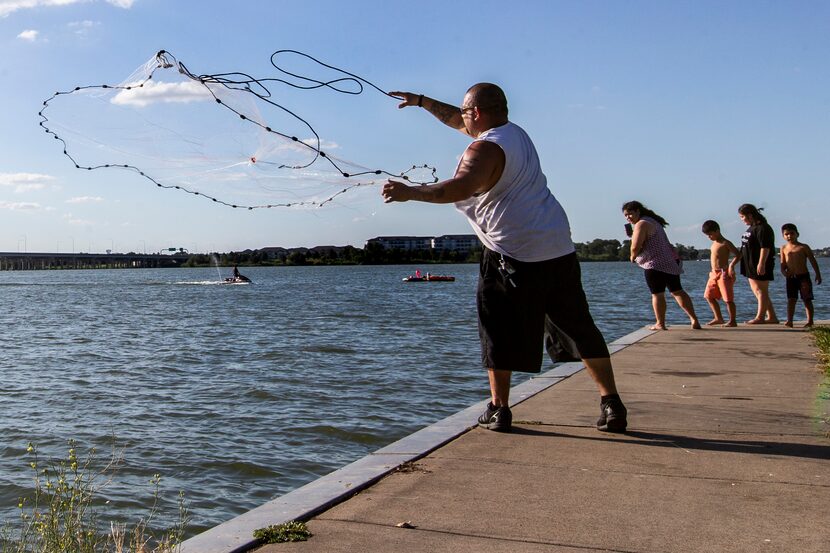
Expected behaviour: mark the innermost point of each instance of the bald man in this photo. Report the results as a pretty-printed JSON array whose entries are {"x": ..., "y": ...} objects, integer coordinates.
[{"x": 529, "y": 269}]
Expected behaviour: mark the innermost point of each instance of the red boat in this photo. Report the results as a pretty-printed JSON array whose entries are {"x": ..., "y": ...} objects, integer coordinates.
[{"x": 429, "y": 278}]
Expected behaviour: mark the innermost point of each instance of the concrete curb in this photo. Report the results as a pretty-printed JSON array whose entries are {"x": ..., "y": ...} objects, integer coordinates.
[{"x": 236, "y": 535}]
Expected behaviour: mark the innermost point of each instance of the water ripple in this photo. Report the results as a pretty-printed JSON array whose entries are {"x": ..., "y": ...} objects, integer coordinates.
[{"x": 239, "y": 394}]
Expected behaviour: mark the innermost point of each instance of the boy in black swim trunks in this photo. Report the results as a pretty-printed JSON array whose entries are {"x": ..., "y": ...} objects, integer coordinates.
[{"x": 794, "y": 257}]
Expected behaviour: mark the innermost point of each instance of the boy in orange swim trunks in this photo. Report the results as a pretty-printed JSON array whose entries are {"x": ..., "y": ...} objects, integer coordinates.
[
  {"x": 794, "y": 258},
  {"x": 722, "y": 275}
]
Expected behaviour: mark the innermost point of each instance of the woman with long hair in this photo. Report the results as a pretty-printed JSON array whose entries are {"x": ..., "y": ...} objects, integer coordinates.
[
  {"x": 651, "y": 250},
  {"x": 758, "y": 260}
]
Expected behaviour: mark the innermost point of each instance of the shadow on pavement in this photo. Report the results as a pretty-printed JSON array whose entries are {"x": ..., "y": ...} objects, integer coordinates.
[{"x": 654, "y": 439}]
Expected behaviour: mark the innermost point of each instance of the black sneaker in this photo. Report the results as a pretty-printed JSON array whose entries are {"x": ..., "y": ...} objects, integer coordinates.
[
  {"x": 495, "y": 418},
  {"x": 612, "y": 416}
]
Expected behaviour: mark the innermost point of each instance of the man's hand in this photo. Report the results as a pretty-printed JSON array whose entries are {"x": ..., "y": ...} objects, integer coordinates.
[
  {"x": 408, "y": 98},
  {"x": 447, "y": 114},
  {"x": 394, "y": 191}
]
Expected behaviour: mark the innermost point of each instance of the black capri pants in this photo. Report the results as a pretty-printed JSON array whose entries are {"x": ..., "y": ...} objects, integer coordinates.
[{"x": 511, "y": 319}]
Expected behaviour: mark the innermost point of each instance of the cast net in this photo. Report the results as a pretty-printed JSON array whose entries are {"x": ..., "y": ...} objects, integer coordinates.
[{"x": 223, "y": 137}]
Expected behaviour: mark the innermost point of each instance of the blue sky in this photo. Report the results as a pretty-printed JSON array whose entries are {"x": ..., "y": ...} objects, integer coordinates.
[{"x": 692, "y": 108}]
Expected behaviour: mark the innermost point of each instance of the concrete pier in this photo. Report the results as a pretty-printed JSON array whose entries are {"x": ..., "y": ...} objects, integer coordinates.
[{"x": 727, "y": 451}]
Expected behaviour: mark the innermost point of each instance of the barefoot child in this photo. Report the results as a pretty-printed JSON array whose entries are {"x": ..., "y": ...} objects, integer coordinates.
[
  {"x": 794, "y": 257},
  {"x": 722, "y": 276}
]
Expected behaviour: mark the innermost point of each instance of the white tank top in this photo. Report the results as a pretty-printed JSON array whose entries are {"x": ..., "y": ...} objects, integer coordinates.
[{"x": 519, "y": 217}]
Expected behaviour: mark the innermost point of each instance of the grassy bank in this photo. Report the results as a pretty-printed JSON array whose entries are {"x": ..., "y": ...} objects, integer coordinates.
[
  {"x": 61, "y": 514},
  {"x": 821, "y": 334}
]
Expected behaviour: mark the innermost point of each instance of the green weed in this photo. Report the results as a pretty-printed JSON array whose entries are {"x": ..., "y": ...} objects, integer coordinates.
[
  {"x": 821, "y": 334},
  {"x": 61, "y": 515},
  {"x": 279, "y": 533}
]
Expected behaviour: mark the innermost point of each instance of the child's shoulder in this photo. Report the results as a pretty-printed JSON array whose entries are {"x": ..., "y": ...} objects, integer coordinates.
[
  {"x": 723, "y": 244},
  {"x": 797, "y": 248}
]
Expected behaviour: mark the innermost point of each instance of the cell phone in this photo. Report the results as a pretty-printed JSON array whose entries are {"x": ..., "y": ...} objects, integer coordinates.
[{"x": 629, "y": 230}]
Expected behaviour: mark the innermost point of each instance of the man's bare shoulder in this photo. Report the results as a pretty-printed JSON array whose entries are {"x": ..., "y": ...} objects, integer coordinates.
[
  {"x": 483, "y": 161},
  {"x": 485, "y": 147},
  {"x": 484, "y": 155}
]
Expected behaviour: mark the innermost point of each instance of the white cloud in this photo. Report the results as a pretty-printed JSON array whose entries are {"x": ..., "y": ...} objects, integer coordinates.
[
  {"x": 75, "y": 221},
  {"x": 688, "y": 228},
  {"x": 158, "y": 91},
  {"x": 10, "y": 6},
  {"x": 83, "y": 27},
  {"x": 20, "y": 188},
  {"x": 24, "y": 182},
  {"x": 85, "y": 200},
  {"x": 324, "y": 144},
  {"x": 28, "y": 34},
  {"x": 20, "y": 206}
]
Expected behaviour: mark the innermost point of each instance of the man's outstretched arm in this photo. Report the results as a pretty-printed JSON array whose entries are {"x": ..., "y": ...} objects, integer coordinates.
[
  {"x": 480, "y": 169},
  {"x": 447, "y": 114}
]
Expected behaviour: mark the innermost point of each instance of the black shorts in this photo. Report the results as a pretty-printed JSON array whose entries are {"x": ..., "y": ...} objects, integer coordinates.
[
  {"x": 800, "y": 284},
  {"x": 658, "y": 281},
  {"x": 511, "y": 319}
]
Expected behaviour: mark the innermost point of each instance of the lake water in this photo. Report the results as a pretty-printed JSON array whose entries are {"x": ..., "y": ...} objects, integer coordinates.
[{"x": 237, "y": 394}]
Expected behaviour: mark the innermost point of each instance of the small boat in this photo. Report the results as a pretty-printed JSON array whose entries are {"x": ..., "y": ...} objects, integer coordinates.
[
  {"x": 237, "y": 278},
  {"x": 429, "y": 278}
]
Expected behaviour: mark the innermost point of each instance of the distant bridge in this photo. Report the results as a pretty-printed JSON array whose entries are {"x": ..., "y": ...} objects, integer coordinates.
[{"x": 17, "y": 261}]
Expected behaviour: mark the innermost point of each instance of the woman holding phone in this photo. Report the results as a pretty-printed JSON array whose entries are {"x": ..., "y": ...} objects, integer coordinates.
[
  {"x": 758, "y": 261},
  {"x": 651, "y": 250}
]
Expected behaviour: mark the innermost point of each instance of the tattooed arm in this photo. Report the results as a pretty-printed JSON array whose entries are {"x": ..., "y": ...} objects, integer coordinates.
[
  {"x": 480, "y": 169},
  {"x": 447, "y": 114}
]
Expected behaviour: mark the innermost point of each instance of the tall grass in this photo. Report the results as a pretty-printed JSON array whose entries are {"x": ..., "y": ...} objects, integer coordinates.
[
  {"x": 821, "y": 334},
  {"x": 61, "y": 515}
]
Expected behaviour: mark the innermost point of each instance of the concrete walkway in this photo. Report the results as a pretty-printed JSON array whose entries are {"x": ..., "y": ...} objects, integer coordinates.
[{"x": 727, "y": 450}]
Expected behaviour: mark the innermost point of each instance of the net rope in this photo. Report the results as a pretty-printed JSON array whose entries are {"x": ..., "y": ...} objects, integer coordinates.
[{"x": 238, "y": 82}]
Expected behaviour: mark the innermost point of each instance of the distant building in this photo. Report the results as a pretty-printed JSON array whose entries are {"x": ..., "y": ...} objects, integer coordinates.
[
  {"x": 461, "y": 243},
  {"x": 406, "y": 243}
]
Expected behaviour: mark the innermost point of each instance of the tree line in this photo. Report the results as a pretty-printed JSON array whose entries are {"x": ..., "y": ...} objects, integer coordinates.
[
  {"x": 614, "y": 250},
  {"x": 375, "y": 254}
]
